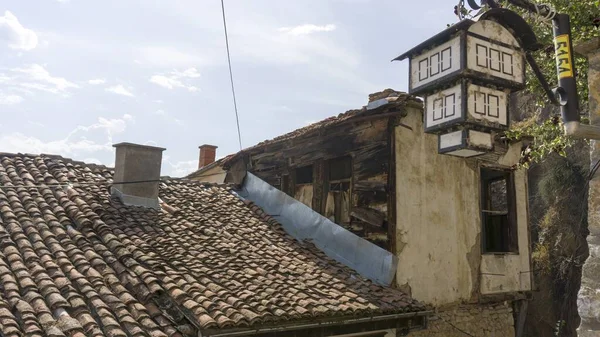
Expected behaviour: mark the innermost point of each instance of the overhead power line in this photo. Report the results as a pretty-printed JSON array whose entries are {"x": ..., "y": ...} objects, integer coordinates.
[
  {"x": 237, "y": 118},
  {"x": 103, "y": 183}
]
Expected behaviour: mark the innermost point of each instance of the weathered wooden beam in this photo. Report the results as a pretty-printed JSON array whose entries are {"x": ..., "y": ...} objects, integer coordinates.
[
  {"x": 370, "y": 186},
  {"x": 369, "y": 215},
  {"x": 391, "y": 187},
  {"x": 372, "y": 117}
]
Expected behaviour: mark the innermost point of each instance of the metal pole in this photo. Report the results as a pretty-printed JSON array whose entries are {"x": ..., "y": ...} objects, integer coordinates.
[{"x": 565, "y": 67}]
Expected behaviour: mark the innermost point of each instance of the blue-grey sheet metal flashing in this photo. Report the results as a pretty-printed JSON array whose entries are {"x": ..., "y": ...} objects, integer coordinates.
[{"x": 301, "y": 222}]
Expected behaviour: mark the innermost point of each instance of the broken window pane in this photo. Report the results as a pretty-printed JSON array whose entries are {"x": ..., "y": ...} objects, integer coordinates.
[
  {"x": 340, "y": 168},
  {"x": 304, "y": 175},
  {"x": 498, "y": 196}
]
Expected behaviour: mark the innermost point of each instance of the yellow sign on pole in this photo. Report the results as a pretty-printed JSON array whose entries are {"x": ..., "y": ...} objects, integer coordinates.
[{"x": 563, "y": 56}]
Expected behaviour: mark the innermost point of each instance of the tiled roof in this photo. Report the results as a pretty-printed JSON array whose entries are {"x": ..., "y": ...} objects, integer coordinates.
[
  {"x": 402, "y": 99},
  {"x": 75, "y": 262}
]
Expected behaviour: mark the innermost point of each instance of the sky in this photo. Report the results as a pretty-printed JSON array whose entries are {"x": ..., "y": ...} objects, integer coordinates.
[{"x": 77, "y": 76}]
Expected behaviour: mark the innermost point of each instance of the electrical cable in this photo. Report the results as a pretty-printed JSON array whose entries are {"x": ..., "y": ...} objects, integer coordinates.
[
  {"x": 237, "y": 119},
  {"x": 105, "y": 183}
]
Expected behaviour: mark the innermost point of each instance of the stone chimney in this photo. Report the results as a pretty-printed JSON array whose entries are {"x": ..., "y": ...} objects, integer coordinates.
[
  {"x": 207, "y": 155},
  {"x": 137, "y": 167}
]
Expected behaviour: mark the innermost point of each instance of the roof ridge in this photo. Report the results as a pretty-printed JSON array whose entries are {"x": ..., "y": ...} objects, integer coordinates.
[{"x": 55, "y": 157}]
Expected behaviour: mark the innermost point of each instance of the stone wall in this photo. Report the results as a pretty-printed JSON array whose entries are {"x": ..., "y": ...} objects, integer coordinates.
[
  {"x": 492, "y": 320},
  {"x": 588, "y": 301}
]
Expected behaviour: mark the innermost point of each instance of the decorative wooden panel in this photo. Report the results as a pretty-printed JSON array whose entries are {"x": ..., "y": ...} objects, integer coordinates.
[
  {"x": 435, "y": 64},
  {"x": 465, "y": 143},
  {"x": 495, "y": 60},
  {"x": 444, "y": 107},
  {"x": 485, "y": 104}
]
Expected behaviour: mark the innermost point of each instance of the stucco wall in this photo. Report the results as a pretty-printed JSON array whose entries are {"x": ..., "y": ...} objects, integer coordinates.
[
  {"x": 438, "y": 223},
  {"x": 213, "y": 175}
]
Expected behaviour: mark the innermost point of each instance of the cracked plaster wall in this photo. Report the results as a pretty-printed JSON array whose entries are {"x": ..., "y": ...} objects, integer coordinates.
[{"x": 438, "y": 224}]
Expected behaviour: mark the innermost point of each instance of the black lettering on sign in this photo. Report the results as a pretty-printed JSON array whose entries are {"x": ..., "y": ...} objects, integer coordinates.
[{"x": 563, "y": 56}]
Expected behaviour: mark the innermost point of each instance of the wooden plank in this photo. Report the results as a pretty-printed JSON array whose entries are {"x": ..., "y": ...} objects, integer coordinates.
[
  {"x": 370, "y": 186},
  {"x": 391, "y": 188},
  {"x": 369, "y": 215}
]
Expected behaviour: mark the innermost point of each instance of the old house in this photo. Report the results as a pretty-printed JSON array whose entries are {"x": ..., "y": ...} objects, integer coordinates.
[
  {"x": 454, "y": 216},
  {"x": 87, "y": 250}
]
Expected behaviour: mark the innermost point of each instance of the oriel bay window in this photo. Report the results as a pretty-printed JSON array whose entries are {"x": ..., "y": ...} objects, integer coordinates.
[{"x": 498, "y": 211}]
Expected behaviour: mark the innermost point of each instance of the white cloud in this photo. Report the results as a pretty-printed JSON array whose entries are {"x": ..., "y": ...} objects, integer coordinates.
[
  {"x": 183, "y": 168},
  {"x": 69, "y": 145},
  {"x": 167, "y": 57},
  {"x": 41, "y": 125},
  {"x": 167, "y": 116},
  {"x": 175, "y": 79},
  {"x": 307, "y": 29},
  {"x": 10, "y": 99},
  {"x": 190, "y": 73},
  {"x": 18, "y": 142},
  {"x": 37, "y": 77},
  {"x": 18, "y": 36},
  {"x": 111, "y": 126},
  {"x": 119, "y": 90},
  {"x": 92, "y": 160},
  {"x": 165, "y": 82},
  {"x": 292, "y": 46},
  {"x": 97, "y": 81}
]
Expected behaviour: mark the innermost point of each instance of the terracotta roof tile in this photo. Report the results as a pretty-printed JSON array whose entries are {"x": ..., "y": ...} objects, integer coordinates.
[{"x": 75, "y": 262}]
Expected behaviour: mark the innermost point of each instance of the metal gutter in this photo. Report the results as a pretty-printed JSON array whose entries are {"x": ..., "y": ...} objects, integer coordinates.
[
  {"x": 303, "y": 223},
  {"x": 321, "y": 324}
]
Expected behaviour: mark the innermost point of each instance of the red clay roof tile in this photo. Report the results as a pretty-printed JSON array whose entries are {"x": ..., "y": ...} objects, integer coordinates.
[{"x": 74, "y": 261}]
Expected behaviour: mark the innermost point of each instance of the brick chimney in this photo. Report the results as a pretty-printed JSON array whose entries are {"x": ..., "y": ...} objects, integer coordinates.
[
  {"x": 207, "y": 155},
  {"x": 135, "y": 163}
]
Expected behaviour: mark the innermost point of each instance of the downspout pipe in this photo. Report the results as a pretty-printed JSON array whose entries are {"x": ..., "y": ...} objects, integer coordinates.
[{"x": 566, "y": 93}]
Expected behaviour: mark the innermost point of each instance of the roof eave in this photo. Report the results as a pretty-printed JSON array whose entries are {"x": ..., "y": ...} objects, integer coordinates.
[
  {"x": 330, "y": 323},
  {"x": 434, "y": 39}
]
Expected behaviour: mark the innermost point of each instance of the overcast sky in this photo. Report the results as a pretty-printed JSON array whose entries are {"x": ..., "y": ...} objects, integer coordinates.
[{"x": 77, "y": 76}]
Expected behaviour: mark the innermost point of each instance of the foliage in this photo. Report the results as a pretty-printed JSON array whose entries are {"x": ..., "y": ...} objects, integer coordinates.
[
  {"x": 548, "y": 137},
  {"x": 548, "y": 134},
  {"x": 558, "y": 214}
]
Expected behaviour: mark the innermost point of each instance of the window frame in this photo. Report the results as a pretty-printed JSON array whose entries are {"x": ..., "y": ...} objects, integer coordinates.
[{"x": 510, "y": 244}]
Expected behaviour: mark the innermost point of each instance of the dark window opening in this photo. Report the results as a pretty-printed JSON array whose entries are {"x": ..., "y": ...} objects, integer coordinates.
[
  {"x": 304, "y": 175},
  {"x": 339, "y": 187},
  {"x": 498, "y": 211},
  {"x": 339, "y": 174},
  {"x": 285, "y": 183},
  {"x": 340, "y": 168}
]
